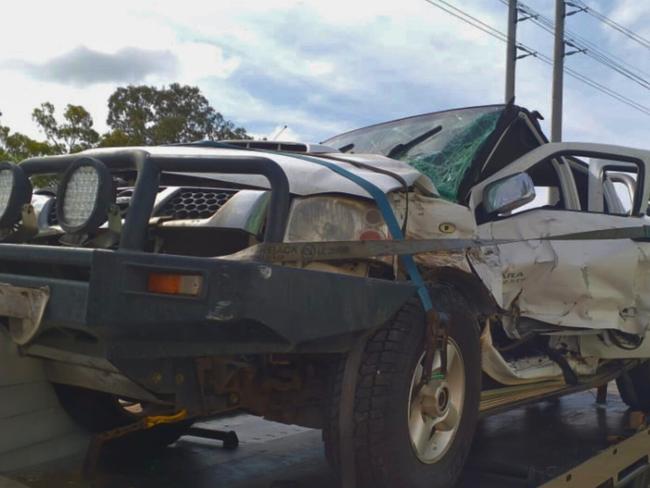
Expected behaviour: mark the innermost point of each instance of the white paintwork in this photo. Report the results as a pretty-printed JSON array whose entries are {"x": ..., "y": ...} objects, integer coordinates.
[
  {"x": 569, "y": 283},
  {"x": 305, "y": 178},
  {"x": 429, "y": 217},
  {"x": 596, "y": 284},
  {"x": 548, "y": 150}
]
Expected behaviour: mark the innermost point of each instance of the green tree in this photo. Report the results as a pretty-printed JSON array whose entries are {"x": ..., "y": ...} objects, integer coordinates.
[
  {"x": 74, "y": 134},
  {"x": 146, "y": 115},
  {"x": 15, "y": 146}
]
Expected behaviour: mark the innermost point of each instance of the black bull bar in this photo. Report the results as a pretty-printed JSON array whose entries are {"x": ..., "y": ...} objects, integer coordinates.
[
  {"x": 150, "y": 166},
  {"x": 246, "y": 306}
]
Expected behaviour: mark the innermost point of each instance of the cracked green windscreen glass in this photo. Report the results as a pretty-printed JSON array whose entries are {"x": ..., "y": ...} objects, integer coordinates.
[{"x": 441, "y": 145}]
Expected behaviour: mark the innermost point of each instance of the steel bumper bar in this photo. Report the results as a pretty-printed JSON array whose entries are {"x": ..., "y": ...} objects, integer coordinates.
[{"x": 243, "y": 307}]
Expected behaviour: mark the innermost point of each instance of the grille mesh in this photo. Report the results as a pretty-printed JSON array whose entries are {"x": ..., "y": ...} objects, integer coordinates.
[
  {"x": 199, "y": 203},
  {"x": 188, "y": 203}
]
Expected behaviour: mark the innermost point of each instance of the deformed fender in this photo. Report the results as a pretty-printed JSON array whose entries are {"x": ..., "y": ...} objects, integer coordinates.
[{"x": 471, "y": 288}]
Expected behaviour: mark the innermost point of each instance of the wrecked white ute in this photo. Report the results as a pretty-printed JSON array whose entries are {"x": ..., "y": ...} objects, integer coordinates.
[
  {"x": 549, "y": 250},
  {"x": 562, "y": 244},
  {"x": 387, "y": 286}
]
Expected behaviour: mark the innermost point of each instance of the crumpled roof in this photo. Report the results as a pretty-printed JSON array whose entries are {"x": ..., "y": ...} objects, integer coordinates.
[{"x": 305, "y": 178}]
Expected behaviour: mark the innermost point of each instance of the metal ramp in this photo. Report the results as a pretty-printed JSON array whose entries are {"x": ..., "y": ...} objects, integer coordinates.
[{"x": 34, "y": 429}]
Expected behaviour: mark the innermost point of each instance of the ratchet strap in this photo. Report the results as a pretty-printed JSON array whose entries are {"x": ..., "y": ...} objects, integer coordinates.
[
  {"x": 382, "y": 204},
  {"x": 311, "y": 251},
  {"x": 386, "y": 210},
  {"x": 305, "y": 252}
]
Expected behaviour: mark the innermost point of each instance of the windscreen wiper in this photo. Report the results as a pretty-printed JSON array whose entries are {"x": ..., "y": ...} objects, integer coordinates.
[{"x": 400, "y": 150}]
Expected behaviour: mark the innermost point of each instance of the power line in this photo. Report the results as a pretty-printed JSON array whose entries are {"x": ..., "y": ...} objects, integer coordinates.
[
  {"x": 586, "y": 47},
  {"x": 497, "y": 34},
  {"x": 488, "y": 29},
  {"x": 614, "y": 25}
]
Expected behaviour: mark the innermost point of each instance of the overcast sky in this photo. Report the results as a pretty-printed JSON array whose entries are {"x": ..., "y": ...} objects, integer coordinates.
[{"x": 320, "y": 67}]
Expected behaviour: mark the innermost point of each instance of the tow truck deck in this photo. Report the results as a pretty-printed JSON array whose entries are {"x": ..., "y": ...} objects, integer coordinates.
[{"x": 573, "y": 441}]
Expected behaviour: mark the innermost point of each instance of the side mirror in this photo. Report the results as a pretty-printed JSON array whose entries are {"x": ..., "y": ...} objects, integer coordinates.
[{"x": 504, "y": 195}]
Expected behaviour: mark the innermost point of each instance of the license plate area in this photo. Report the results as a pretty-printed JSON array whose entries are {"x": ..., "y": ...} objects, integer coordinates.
[{"x": 24, "y": 307}]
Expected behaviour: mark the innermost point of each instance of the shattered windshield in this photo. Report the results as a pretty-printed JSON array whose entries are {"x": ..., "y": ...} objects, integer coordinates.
[{"x": 441, "y": 145}]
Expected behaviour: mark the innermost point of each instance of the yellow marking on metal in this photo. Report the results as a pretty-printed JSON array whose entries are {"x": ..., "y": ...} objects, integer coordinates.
[{"x": 152, "y": 421}]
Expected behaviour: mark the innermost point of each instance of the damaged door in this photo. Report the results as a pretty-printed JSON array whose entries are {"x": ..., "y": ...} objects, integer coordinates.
[{"x": 596, "y": 281}]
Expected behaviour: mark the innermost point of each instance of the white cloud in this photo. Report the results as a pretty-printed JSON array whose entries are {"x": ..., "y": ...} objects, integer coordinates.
[
  {"x": 200, "y": 60},
  {"x": 633, "y": 14},
  {"x": 319, "y": 67}
]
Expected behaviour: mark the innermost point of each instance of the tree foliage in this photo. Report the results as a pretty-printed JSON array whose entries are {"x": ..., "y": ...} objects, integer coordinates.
[
  {"x": 146, "y": 115},
  {"x": 74, "y": 134},
  {"x": 15, "y": 146},
  {"x": 138, "y": 115}
]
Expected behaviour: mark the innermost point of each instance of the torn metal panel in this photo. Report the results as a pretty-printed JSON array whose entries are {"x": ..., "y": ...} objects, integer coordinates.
[
  {"x": 526, "y": 370},
  {"x": 435, "y": 218},
  {"x": 597, "y": 284},
  {"x": 486, "y": 263}
]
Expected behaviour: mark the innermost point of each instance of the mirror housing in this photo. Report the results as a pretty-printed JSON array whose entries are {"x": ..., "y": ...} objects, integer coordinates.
[{"x": 506, "y": 194}]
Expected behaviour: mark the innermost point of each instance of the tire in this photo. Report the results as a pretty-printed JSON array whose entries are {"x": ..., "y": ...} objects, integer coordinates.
[
  {"x": 97, "y": 412},
  {"x": 634, "y": 387},
  {"x": 385, "y": 455}
]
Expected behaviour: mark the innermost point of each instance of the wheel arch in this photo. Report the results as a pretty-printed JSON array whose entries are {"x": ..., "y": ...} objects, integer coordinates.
[{"x": 469, "y": 286}]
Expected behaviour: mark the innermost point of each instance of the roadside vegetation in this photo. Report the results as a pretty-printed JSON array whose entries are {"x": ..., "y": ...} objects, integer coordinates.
[{"x": 137, "y": 115}]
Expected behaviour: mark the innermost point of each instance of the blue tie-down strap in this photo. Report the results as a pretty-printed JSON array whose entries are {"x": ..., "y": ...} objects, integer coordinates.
[
  {"x": 389, "y": 216},
  {"x": 382, "y": 203}
]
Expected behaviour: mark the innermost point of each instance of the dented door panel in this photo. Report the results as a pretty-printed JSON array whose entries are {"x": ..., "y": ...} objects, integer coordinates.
[{"x": 597, "y": 284}]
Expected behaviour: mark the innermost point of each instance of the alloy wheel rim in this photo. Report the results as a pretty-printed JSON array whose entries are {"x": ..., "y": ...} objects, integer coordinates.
[{"x": 435, "y": 409}]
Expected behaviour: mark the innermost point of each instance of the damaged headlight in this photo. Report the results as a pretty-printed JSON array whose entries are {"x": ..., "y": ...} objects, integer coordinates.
[{"x": 323, "y": 218}]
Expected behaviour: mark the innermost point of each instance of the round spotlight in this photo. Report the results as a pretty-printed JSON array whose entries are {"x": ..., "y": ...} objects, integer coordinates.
[
  {"x": 84, "y": 196},
  {"x": 15, "y": 191}
]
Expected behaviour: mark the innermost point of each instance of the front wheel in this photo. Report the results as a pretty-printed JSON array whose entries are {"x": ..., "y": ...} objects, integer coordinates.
[{"x": 408, "y": 433}]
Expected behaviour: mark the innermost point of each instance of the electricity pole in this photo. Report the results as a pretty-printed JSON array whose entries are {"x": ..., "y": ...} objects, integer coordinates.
[
  {"x": 558, "y": 71},
  {"x": 511, "y": 50}
]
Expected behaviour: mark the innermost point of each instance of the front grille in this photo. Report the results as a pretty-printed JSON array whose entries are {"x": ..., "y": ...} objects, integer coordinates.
[
  {"x": 195, "y": 203},
  {"x": 187, "y": 203}
]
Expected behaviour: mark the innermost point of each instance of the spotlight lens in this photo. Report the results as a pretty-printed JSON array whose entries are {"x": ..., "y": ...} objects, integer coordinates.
[
  {"x": 80, "y": 196},
  {"x": 6, "y": 189}
]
